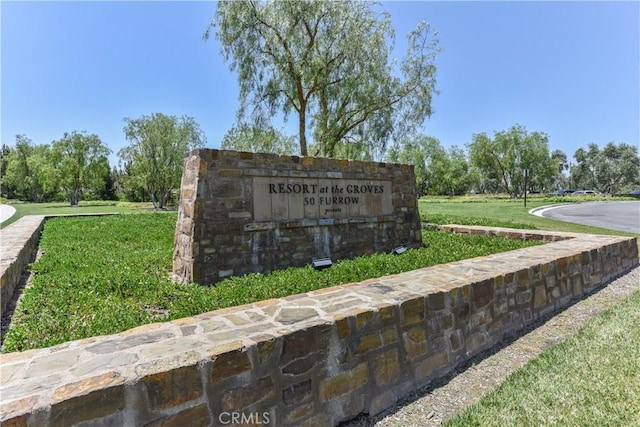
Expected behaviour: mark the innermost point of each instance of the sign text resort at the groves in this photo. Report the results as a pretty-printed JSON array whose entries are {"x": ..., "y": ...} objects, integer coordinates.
[{"x": 310, "y": 198}]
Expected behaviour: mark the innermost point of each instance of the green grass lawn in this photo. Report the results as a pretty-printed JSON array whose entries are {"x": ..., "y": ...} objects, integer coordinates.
[
  {"x": 102, "y": 275},
  {"x": 84, "y": 207},
  {"x": 505, "y": 212},
  {"x": 591, "y": 379}
]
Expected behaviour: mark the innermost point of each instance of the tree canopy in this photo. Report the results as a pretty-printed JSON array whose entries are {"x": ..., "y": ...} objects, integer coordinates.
[
  {"x": 559, "y": 159},
  {"x": 505, "y": 158},
  {"x": 29, "y": 171},
  {"x": 81, "y": 163},
  {"x": 155, "y": 155},
  {"x": 244, "y": 137},
  {"x": 438, "y": 171},
  {"x": 614, "y": 168},
  {"x": 329, "y": 62}
]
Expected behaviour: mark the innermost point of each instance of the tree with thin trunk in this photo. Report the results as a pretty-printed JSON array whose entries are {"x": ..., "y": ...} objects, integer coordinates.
[
  {"x": 506, "y": 156},
  {"x": 154, "y": 158},
  {"x": 81, "y": 161},
  {"x": 329, "y": 63},
  {"x": 29, "y": 171},
  {"x": 612, "y": 169}
]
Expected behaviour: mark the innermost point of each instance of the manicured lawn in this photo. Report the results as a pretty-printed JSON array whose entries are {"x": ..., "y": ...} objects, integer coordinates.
[
  {"x": 102, "y": 275},
  {"x": 63, "y": 208},
  {"x": 591, "y": 379},
  {"x": 505, "y": 212}
]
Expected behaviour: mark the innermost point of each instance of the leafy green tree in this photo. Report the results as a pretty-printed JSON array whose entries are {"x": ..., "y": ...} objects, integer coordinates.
[
  {"x": 505, "y": 157},
  {"x": 155, "y": 156},
  {"x": 81, "y": 162},
  {"x": 354, "y": 150},
  {"x": 614, "y": 168},
  {"x": 438, "y": 171},
  {"x": 459, "y": 177},
  {"x": 244, "y": 137},
  {"x": 559, "y": 159},
  {"x": 7, "y": 191},
  {"x": 329, "y": 63},
  {"x": 109, "y": 192},
  {"x": 30, "y": 171},
  {"x": 429, "y": 160},
  {"x": 124, "y": 190},
  {"x": 485, "y": 182}
]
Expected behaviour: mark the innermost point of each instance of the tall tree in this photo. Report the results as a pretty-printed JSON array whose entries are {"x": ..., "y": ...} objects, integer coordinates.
[
  {"x": 428, "y": 158},
  {"x": 614, "y": 168},
  {"x": 509, "y": 153},
  {"x": 154, "y": 158},
  {"x": 109, "y": 192},
  {"x": 81, "y": 162},
  {"x": 438, "y": 171},
  {"x": 30, "y": 171},
  {"x": 329, "y": 63},
  {"x": 559, "y": 158},
  {"x": 244, "y": 137},
  {"x": 6, "y": 190},
  {"x": 459, "y": 177}
]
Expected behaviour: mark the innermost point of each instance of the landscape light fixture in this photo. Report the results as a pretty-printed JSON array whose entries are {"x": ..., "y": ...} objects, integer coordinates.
[
  {"x": 321, "y": 263},
  {"x": 399, "y": 250}
]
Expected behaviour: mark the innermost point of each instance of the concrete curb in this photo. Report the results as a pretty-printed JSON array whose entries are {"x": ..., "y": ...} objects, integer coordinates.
[
  {"x": 6, "y": 212},
  {"x": 542, "y": 209}
]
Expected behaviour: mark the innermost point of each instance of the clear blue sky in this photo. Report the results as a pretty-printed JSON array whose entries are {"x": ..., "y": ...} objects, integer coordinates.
[{"x": 569, "y": 69}]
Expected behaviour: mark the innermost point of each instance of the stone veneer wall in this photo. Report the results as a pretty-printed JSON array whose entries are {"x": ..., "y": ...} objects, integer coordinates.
[
  {"x": 19, "y": 243},
  {"x": 246, "y": 212},
  {"x": 313, "y": 359}
]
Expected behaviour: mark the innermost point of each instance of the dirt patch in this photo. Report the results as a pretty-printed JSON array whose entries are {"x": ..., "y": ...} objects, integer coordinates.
[{"x": 436, "y": 403}]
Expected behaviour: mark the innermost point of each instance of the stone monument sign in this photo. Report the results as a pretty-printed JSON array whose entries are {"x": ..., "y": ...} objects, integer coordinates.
[{"x": 245, "y": 212}]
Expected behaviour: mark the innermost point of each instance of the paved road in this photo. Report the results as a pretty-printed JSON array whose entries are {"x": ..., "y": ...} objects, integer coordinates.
[
  {"x": 621, "y": 216},
  {"x": 6, "y": 212}
]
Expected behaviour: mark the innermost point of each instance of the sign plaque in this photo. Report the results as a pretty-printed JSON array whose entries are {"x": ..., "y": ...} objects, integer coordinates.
[{"x": 278, "y": 199}]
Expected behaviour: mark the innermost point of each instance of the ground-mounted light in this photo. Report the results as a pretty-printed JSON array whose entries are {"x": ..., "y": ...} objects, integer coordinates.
[
  {"x": 399, "y": 250},
  {"x": 321, "y": 263}
]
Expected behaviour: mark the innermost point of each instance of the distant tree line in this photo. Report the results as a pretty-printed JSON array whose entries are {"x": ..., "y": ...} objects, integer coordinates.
[
  {"x": 76, "y": 166},
  {"x": 486, "y": 164}
]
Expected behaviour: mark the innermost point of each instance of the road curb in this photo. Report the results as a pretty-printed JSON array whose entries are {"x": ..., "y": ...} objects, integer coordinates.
[
  {"x": 539, "y": 211},
  {"x": 6, "y": 212}
]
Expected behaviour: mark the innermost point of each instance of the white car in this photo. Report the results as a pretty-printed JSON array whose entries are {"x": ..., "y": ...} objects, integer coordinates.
[{"x": 585, "y": 193}]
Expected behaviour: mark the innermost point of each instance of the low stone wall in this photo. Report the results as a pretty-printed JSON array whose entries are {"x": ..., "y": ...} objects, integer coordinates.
[
  {"x": 313, "y": 359},
  {"x": 19, "y": 243}
]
